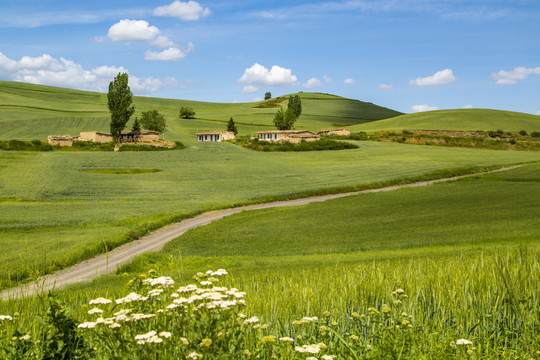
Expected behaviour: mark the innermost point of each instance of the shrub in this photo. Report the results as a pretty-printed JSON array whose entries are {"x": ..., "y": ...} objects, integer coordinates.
[
  {"x": 500, "y": 131},
  {"x": 186, "y": 113},
  {"x": 522, "y": 132},
  {"x": 406, "y": 132},
  {"x": 535, "y": 134}
]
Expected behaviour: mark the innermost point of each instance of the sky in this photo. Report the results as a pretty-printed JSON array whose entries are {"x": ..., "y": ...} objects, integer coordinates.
[{"x": 408, "y": 55}]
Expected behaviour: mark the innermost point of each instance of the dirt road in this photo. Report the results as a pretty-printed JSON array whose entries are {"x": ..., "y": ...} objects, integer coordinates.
[{"x": 108, "y": 263}]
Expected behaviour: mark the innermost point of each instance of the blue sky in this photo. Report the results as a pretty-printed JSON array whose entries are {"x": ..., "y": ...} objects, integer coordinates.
[{"x": 409, "y": 55}]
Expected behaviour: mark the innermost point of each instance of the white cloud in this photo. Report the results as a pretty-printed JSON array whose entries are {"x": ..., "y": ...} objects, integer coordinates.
[
  {"x": 468, "y": 106},
  {"x": 387, "y": 87},
  {"x": 250, "y": 89},
  {"x": 349, "y": 81},
  {"x": 513, "y": 76},
  {"x": 312, "y": 83},
  {"x": 130, "y": 31},
  {"x": 424, "y": 107},
  {"x": 260, "y": 76},
  {"x": 538, "y": 112},
  {"x": 170, "y": 54},
  {"x": 442, "y": 77},
  {"x": 256, "y": 99},
  {"x": 327, "y": 79},
  {"x": 187, "y": 11},
  {"x": 47, "y": 70}
]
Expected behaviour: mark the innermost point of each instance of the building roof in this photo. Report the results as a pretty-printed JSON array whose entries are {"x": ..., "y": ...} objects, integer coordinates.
[
  {"x": 285, "y": 132},
  {"x": 214, "y": 132},
  {"x": 334, "y": 130}
]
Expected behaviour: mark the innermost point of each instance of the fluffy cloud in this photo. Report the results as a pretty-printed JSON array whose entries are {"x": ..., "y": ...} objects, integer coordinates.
[
  {"x": 442, "y": 77},
  {"x": 249, "y": 89},
  {"x": 387, "y": 87},
  {"x": 513, "y": 76},
  {"x": 424, "y": 107},
  {"x": 311, "y": 83},
  {"x": 327, "y": 79},
  {"x": 258, "y": 75},
  {"x": 47, "y": 70},
  {"x": 187, "y": 11},
  {"x": 130, "y": 31},
  {"x": 170, "y": 54},
  {"x": 349, "y": 81}
]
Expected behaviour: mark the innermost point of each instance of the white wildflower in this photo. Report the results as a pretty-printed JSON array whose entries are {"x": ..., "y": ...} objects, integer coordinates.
[
  {"x": 5, "y": 317},
  {"x": 162, "y": 280},
  {"x": 310, "y": 349},
  {"x": 194, "y": 356},
  {"x": 328, "y": 357},
  {"x": 25, "y": 337},
  {"x": 154, "y": 292},
  {"x": 122, "y": 312},
  {"x": 308, "y": 319},
  {"x": 286, "y": 339},
  {"x": 187, "y": 288},
  {"x": 95, "y": 311},
  {"x": 251, "y": 320},
  {"x": 219, "y": 272},
  {"x": 131, "y": 297},
  {"x": 87, "y": 325},
  {"x": 100, "y": 301},
  {"x": 206, "y": 283},
  {"x": 165, "y": 334},
  {"x": 463, "y": 342},
  {"x": 114, "y": 325},
  {"x": 311, "y": 358}
]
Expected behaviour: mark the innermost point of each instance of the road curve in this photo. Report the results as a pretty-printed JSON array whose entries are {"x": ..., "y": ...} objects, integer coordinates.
[{"x": 107, "y": 263}]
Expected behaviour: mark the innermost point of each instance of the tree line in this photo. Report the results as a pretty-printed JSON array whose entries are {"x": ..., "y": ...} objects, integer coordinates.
[{"x": 120, "y": 104}]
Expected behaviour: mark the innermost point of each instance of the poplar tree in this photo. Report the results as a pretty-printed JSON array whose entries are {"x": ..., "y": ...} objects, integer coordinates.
[
  {"x": 231, "y": 126},
  {"x": 120, "y": 101}
]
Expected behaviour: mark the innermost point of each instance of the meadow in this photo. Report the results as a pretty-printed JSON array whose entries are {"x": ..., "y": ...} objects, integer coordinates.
[
  {"x": 448, "y": 271},
  {"x": 464, "y": 253}
]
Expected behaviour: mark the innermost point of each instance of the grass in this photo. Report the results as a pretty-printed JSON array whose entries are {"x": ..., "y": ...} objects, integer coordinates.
[
  {"x": 29, "y": 111},
  {"x": 121, "y": 171},
  {"x": 459, "y": 119},
  {"x": 102, "y": 211},
  {"x": 466, "y": 253}
]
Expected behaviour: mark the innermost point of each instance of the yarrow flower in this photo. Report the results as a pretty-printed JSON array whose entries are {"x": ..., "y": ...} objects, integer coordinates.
[
  {"x": 286, "y": 339},
  {"x": 100, "y": 301},
  {"x": 463, "y": 342},
  {"x": 194, "y": 356},
  {"x": 310, "y": 349},
  {"x": 164, "y": 281},
  {"x": 5, "y": 317},
  {"x": 251, "y": 320},
  {"x": 148, "y": 338},
  {"x": 87, "y": 325},
  {"x": 95, "y": 311},
  {"x": 131, "y": 297}
]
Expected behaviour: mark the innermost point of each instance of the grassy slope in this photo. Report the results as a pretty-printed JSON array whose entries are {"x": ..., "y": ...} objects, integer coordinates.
[
  {"x": 459, "y": 119},
  {"x": 30, "y": 111},
  {"x": 54, "y": 213}
]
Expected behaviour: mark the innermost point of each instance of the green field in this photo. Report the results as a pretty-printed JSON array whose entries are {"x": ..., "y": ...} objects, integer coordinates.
[
  {"x": 467, "y": 252},
  {"x": 459, "y": 119},
  {"x": 30, "y": 111}
]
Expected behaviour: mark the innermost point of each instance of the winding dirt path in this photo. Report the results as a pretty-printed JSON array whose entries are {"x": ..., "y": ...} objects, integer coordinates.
[{"x": 110, "y": 262}]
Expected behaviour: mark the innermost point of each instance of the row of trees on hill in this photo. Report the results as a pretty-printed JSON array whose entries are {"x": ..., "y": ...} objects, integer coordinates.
[
  {"x": 285, "y": 120},
  {"x": 120, "y": 103}
]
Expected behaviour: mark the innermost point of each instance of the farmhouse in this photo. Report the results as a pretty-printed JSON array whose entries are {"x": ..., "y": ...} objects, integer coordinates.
[
  {"x": 292, "y": 136},
  {"x": 102, "y": 137},
  {"x": 65, "y": 140},
  {"x": 339, "y": 132},
  {"x": 215, "y": 136}
]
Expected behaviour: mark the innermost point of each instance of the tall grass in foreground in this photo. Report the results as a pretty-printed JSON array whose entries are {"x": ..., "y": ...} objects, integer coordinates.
[{"x": 478, "y": 306}]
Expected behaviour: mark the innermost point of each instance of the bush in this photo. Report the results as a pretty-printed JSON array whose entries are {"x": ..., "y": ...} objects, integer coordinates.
[
  {"x": 325, "y": 144},
  {"x": 500, "y": 131},
  {"x": 522, "y": 132},
  {"x": 535, "y": 134},
  {"x": 186, "y": 113}
]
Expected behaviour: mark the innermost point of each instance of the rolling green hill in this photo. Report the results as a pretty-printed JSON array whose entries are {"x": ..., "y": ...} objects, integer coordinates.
[
  {"x": 29, "y": 111},
  {"x": 458, "y": 119}
]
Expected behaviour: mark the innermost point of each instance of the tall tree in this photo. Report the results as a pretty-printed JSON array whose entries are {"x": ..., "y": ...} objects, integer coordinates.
[
  {"x": 231, "y": 126},
  {"x": 136, "y": 126},
  {"x": 295, "y": 104},
  {"x": 120, "y": 101},
  {"x": 284, "y": 120},
  {"x": 267, "y": 95}
]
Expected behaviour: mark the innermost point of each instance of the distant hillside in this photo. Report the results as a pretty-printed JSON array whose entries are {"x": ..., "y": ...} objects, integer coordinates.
[
  {"x": 459, "y": 119},
  {"x": 29, "y": 111}
]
